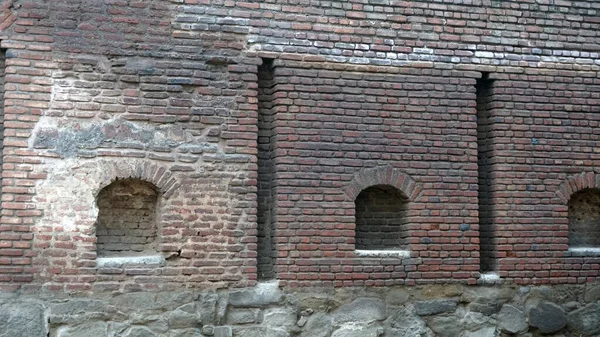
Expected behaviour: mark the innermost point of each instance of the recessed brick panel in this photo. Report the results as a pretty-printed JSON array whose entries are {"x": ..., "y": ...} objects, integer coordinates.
[
  {"x": 127, "y": 219},
  {"x": 381, "y": 219},
  {"x": 584, "y": 219}
]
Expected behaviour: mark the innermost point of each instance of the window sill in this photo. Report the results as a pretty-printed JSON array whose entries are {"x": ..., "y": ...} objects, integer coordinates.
[
  {"x": 585, "y": 251},
  {"x": 382, "y": 253},
  {"x": 489, "y": 278},
  {"x": 119, "y": 261}
]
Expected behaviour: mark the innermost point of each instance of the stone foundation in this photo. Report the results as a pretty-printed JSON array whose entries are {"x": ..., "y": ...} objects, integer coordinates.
[{"x": 267, "y": 311}]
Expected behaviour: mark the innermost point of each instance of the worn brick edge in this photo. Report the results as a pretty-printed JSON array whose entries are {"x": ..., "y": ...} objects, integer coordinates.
[
  {"x": 159, "y": 175},
  {"x": 385, "y": 175},
  {"x": 577, "y": 183}
]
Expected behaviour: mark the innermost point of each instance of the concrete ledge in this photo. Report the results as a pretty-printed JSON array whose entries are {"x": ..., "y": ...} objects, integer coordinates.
[
  {"x": 119, "y": 261},
  {"x": 382, "y": 253},
  {"x": 585, "y": 251}
]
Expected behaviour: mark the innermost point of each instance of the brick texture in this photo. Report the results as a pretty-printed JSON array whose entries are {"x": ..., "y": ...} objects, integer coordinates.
[
  {"x": 381, "y": 219},
  {"x": 127, "y": 219},
  {"x": 260, "y": 123}
]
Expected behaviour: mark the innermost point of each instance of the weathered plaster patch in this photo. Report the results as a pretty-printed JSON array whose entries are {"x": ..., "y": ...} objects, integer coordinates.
[{"x": 67, "y": 137}]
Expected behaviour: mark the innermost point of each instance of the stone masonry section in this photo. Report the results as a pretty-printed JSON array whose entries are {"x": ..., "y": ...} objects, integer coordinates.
[
  {"x": 267, "y": 311},
  {"x": 259, "y": 123}
]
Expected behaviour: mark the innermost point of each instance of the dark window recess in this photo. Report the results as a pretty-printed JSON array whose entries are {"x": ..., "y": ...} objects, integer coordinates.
[
  {"x": 266, "y": 171},
  {"x": 485, "y": 140},
  {"x": 2, "y": 73},
  {"x": 381, "y": 219}
]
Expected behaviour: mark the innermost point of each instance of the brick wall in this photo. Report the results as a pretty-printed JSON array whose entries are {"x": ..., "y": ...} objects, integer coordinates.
[{"x": 268, "y": 160}]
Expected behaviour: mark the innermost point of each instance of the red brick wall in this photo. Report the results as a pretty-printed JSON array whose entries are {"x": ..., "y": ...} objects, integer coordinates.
[{"x": 365, "y": 93}]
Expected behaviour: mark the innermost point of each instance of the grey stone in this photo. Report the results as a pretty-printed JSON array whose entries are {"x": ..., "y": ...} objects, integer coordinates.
[
  {"x": 90, "y": 329},
  {"x": 314, "y": 301},
  {"x": 79, "y": 307},
  {"x": 592, "y": 293},
  {"x": 487, "y": 300},
  {"x": 242, "y": 316},
  {"x": 263, "y": 332},
  {"x": 208, "y": 330},
  {"x": 194, "y": 332},
  {"x": 263, "y": 294},
  {"x": 570, "y": 306},
  {"x": 512, "y": 320},
  {"x": 152, "y": 301},
  {"x": 563, "y": 293},
  {"x": 222, "y": 331},
  {"x": 156, "y": 323},
  {"x": 206, "y": 308},
  {"x": 139, "y": 331},
  {"x": 178, "y": 319},
  {"x": 483, "y": 332},
  {"x": 585, "y": 321},
  {"x": 357, "y": 330},
  {"x": 280, "y": 317},
  {"x": 485, "y": 308},
  {"x": 472, "y": 321},
  {"x": 403, "y": 322},
  {"x": 432, "y": 307},
  {"x": 221, "y": 310},
  {"x": 318, "y": 325},
  {"x": 362, "y": 309},
  {"x": 22, "y": 319},
  {"x": 547, "y": 317},
  {"x": 445, "y": 326},
  {"x": 397, "y": 296}
]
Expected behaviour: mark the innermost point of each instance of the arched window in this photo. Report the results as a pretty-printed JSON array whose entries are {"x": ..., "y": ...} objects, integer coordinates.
[
  {"x": 381, "y": 218},
  {"x": 127, "y": 219},
  {"x": 584, "y": 219}
]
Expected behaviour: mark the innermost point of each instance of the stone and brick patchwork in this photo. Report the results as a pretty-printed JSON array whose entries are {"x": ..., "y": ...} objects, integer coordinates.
[{"x": 264, "y": 129}]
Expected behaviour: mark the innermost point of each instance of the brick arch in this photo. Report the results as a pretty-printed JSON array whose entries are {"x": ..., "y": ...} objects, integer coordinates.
[
  {"x": 577, "y": 183},
  {"x": 158, "y": 175},
  {"x": 386, "y": 175}
]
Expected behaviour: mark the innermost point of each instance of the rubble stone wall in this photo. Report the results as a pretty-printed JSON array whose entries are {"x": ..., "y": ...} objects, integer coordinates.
[{"x": 450, "y": 310}]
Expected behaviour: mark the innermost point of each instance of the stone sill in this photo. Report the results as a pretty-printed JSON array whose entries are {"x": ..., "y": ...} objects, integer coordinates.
[
  {"x": 489, "y": 278},
  {"x": 584, "y": 251},
  {"x": 382, "y": 253},
  {"x": 119, "y": 261}
]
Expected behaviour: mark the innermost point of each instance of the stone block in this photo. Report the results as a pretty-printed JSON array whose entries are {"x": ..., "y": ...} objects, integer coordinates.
[
  {"x": 22, "y": 319},
  {"x": 433, "y": 307},
  {"x": 263, "y": 294},
  {"x": 362, "y": 309},
  {"x": 547, "y": 317},
  {"x": 585, "y": 321}
]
